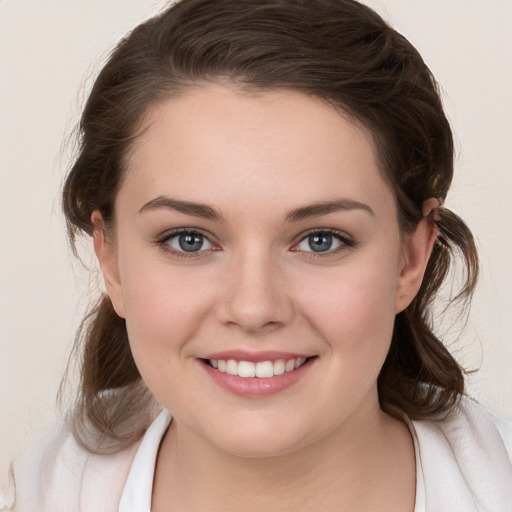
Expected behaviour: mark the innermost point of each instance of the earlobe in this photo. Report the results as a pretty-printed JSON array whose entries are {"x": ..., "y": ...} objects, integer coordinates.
[
  {"x": 107, "y": 257},
  {"x": 417, "y": 247}
]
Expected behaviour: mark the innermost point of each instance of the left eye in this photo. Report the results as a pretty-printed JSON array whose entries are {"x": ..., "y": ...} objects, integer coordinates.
[
  {"x": 320, "y": 241},
  {"x": 189, "y": 242}
]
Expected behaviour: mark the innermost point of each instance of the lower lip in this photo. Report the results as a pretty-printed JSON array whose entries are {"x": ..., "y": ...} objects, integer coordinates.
[{"x": 255, "y": 387}]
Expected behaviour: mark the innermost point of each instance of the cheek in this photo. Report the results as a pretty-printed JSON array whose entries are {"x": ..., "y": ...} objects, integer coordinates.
[
  {"x": 354, "y": 316},
  {"x": 355, "y": 309},
  {"x": 163, "y": 311}
]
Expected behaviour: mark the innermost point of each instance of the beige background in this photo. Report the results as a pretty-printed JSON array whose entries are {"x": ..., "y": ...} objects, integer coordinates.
[{"x": 49, "y": 51}]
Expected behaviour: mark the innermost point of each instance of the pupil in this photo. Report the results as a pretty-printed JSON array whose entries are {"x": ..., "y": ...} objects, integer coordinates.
[
  {"x": 190, "y": 243},
  {"x": 320, "y": 243}
]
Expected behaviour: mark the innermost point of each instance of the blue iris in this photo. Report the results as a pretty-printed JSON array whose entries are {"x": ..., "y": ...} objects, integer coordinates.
[
  {"x": 191, "y": 242},
  {"x": 320, "y": 242}
]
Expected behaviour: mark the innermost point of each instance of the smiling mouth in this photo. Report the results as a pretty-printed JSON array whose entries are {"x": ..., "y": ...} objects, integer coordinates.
[{"x": 262, "y": 370}]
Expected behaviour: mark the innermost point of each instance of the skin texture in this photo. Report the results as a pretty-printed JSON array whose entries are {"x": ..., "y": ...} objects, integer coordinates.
[{"x": 322, "y": 443}]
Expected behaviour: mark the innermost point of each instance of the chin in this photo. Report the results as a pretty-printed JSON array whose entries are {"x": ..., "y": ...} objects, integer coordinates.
[{"x": 256, "y": 438}]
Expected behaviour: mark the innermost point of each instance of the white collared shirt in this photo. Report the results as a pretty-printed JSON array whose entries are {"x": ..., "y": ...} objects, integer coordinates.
[{"x": 463, "y": 464}]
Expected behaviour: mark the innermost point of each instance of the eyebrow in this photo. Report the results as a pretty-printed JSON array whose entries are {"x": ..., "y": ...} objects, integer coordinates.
[
  {"x": 207, "y": 212},
  {"x": 186, "y": 207},
  {"x": 326, "y": 207}
]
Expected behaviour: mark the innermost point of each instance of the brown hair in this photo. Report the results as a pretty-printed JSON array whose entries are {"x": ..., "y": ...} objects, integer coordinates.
[{"x": 337, "y": 50}]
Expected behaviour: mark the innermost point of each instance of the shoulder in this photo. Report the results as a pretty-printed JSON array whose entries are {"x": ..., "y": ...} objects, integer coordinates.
[
  {"x": 57, "y": 474},
  {"x": 466, "y": 460}
]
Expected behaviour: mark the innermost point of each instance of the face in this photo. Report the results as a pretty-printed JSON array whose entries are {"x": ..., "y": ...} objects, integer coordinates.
[{"x": 259, "y": 264}]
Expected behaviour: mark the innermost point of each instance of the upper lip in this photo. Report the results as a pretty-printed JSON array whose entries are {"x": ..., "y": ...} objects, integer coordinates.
[{"x": 256, "y": 356}]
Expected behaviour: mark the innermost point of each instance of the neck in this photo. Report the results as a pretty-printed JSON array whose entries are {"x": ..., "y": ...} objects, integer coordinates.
[{"x": 356, "y": 468}]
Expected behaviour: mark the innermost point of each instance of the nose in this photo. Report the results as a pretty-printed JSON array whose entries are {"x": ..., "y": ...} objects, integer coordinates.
[{"x": 254, "y": 296}]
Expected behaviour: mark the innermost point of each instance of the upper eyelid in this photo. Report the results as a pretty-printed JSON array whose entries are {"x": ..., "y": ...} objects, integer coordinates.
[
  {"x": 170, "y": 233},
  {"x": 336, "y": 232},
  {"x": 346, "y": 242}
]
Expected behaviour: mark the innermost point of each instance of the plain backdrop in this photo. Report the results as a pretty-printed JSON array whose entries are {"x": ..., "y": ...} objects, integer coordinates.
[{"x": 50, "y": 51}]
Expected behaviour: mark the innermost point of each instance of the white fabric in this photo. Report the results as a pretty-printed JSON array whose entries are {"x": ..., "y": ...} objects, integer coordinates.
[
  {"x": 420, "y": 505},
  {"x": 58, "y": 475},
  {"x": 463, "y": 464},
  {"x": 139, "y": 484}
]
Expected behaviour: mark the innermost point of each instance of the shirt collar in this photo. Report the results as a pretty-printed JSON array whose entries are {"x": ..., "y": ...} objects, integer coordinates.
[{"x": 139, "y": 484}]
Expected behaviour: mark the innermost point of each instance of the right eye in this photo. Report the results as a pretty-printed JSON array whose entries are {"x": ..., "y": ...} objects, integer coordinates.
[{"x": 186, "y": 241}]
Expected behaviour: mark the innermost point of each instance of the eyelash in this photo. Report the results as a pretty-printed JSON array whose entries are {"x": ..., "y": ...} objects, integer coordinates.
[
  {"x": 163, "y": 243},
  {"x": 346, "y": 242}
]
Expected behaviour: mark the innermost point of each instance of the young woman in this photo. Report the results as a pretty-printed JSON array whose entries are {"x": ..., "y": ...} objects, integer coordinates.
[{"x": 264, "y": 184}]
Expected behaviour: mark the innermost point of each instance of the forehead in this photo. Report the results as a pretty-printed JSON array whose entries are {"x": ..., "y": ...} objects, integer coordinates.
[{"x": 217, "y": 142}]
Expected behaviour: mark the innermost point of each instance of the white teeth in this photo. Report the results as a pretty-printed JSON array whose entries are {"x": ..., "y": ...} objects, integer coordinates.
[
  {"x": 232, "y": 367},
  {"x": 246, "y": 369},
  {"x": 279, "y": 367},
  {"x": 290, "y": 365},
  {"x": 263, "y": 369},
  {"x": 299, "y": 362}
]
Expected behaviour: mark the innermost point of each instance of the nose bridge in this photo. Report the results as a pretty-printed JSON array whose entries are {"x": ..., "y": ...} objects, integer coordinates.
[{"x": 256, "y": 297}]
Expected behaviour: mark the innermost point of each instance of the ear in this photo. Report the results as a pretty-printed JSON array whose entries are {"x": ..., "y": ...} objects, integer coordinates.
[
  {"x": 107, "y": 256},
  {"x": 416, "y": 249}
]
